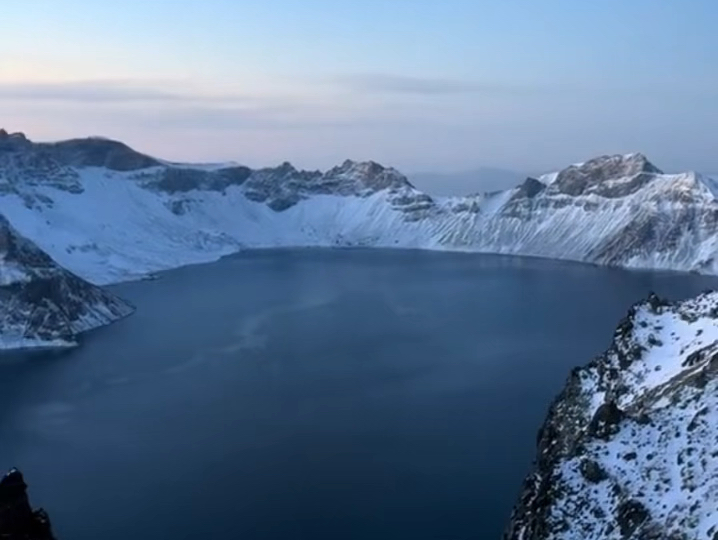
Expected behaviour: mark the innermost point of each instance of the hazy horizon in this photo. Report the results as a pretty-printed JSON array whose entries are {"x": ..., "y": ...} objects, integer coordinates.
[
  {"x": 439, "y": 87},
  {"x": 447, "y": 182}
]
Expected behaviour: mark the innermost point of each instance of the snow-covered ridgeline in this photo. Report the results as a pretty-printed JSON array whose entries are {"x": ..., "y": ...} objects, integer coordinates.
[
  {"x": 629, "y": 448},
  {"x": 109, "y": 213}
]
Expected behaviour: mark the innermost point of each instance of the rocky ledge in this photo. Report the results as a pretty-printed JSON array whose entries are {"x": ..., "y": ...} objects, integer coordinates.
[
  {"x": 41, "y": 303},
  {"x": 18, "y": 521},
  {"x": 629, "y": 449}
]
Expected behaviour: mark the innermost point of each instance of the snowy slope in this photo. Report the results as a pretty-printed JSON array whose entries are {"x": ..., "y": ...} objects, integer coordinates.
[
  {"x": 43, "y": 305},
  {"x": 629, "y": 448},
  {"x": 109, "y": 213}
]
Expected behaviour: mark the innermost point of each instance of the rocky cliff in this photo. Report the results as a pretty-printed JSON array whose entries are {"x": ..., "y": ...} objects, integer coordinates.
[
  {"x": 42, "y": 304},
  {"x": 629, "y": 449},
  {"x": 18, "y": 521}
]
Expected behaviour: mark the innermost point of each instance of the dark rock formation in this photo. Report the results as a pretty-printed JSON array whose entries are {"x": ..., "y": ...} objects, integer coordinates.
[
  {"x": 42, "y": 303},
  {"x": 626, "y": 451},
  {"x": 174, "y": 180},
  {"x": 631, "y": 515},
  {"x": 18, "y": 521},
  {"x": 370, "y": 174},
  {"x": 11, "y": 142},
  {"x": 282, "y": 187},
  {"x": 592, "y": 471},
  {"x": 97, "y": 152},
  {"x": 24, "y": 165},
  {"x": 605, "y": 421},
  {"x": 530, "y": 188}
]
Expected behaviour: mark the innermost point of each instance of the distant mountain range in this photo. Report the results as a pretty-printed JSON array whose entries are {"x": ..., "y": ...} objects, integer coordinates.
[{"x": 108, "y": 213}]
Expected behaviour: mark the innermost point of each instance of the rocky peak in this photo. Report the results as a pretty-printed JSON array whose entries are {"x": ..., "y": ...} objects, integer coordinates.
[
  {"x": 18, "y": 521},
  {"x": 369, "y": 174},
  {"x": 590, "y": 176},
  {"x": 367, "y": 168},
  {"x": 286, "y": 169},
  {"x": 530, "y": 188},
  {"x": 13, "y": 141},
  {"x": 4, "y": 135},
  {"x": 99, "y": 152}
]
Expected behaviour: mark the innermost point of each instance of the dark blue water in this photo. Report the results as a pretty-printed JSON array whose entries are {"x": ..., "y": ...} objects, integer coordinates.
[{"x": 312, "y": 394}]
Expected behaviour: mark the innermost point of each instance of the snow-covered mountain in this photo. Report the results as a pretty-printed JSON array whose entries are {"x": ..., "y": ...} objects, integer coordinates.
[
  {"x": 42, "y": 304},
  {"x": 627, "y": 448},
  {"x": 630, "y": 448},
  {"x": 109, "y": 213}
]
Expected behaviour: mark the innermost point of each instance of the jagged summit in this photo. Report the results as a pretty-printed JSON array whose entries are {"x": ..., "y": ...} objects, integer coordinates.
[
  {"x": 620, "y": 165},
  {"x": 13, "y": 142},
  {"x": 592, "y": 176},
  {"x": 369, "y": 168},
  {"x": 4, "y": 134},
  {"x": 286, "y": 168},
  {"x": 106, "y": 210},
  {"x": 371, "y": 174}
]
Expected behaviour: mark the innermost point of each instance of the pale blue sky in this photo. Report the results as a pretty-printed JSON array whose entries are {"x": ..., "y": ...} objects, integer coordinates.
[{"x": 423, "y": 85}]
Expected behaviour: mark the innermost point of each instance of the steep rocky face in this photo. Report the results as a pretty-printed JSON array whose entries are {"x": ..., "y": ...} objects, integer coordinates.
[
  {"x": 364, "y": 179},
  {"x": 529, "y": 189},
  {"x": 13, "y": 141},
  {"x": 24, "y": 166},
  {"x": 607, "y": 176},
  {"x": 283, "y": 187},
  {"x": 628, "y": 450},
  {"x": 97, "y": 152},
  {"x": 41, "y": 304},
  {"x": 88, "y": 152},
  {"x": 173, "y": 180},
  {"x": 18, "y": 521},
  {"x": 368, "y": 175},
  {"x": 646, "y": 220}
]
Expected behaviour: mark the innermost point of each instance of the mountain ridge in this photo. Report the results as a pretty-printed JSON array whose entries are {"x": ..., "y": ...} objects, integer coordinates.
[
  {"x": 627, "y": 448},
  {"x": 110, "y": 213}
]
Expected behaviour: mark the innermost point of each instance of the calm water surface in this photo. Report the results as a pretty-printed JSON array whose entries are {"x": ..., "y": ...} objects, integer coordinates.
[{"x": 308, "y": 394}]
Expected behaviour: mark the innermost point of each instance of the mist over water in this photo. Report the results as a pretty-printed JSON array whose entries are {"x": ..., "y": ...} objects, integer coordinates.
[{"x": 312, "y": 394}]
